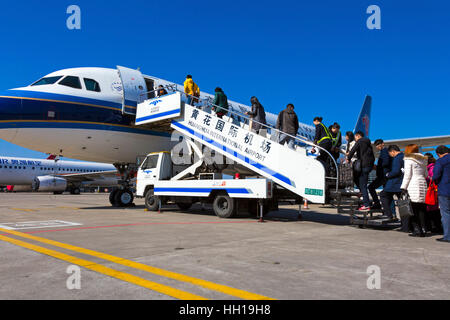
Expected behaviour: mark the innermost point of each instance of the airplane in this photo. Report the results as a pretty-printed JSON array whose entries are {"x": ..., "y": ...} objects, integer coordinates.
[
  {"x": 54, "y": 175},
  {"x": 89, "y": 114}
]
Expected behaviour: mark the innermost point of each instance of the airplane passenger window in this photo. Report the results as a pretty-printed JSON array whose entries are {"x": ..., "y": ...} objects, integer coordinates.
[
  {"x": 71, "y": 81},
  {"x": 91, "y": 85},
  {"x": 47, "y": 80}
]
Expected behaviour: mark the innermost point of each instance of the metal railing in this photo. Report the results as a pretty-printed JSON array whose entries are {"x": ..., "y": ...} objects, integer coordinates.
[{"x": 247, "y": 120}]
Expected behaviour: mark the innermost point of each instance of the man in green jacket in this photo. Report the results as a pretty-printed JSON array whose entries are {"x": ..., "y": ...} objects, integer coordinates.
[{"x": 220, "y": 103}]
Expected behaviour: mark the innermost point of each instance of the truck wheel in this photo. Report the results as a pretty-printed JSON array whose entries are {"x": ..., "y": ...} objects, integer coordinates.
[
  {"x": 224, "y": 206},
  {"x": 124, "y": 198},
  {"x": 184, "y": 205},
  {"x": 151, "y": 201}
]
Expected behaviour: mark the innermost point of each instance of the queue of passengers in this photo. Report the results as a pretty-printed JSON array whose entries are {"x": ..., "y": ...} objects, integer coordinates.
[{"x": 409, "y": 174}]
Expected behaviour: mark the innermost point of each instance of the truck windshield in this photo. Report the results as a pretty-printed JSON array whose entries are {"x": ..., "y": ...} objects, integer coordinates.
[{"x": 151, "y": 162}]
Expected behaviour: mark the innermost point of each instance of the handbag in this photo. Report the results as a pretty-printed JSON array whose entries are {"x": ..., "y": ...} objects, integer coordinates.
[
  {"x": 357, "y": 166},
  {"x": 431, "y": 197},
  {"x": 404, "y": 206}
]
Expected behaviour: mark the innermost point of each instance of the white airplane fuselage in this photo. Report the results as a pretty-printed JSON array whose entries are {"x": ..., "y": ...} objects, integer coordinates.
[{"x": 22, "y": 171}]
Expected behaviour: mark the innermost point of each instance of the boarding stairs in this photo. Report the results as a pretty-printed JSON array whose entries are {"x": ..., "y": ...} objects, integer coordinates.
[{"x": 293, "y": 169}]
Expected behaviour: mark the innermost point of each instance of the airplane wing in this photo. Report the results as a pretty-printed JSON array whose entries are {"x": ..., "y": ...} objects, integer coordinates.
[
  {"x": 424, "y": 142},
  {"x": 80, "y": 177}
]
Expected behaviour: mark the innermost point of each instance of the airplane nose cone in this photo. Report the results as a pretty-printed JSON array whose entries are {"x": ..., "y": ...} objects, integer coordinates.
[{"x": 10, "y": 111}]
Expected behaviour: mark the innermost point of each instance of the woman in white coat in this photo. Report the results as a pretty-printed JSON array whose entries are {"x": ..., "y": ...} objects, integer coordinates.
[{"x": 415, "y": 183}]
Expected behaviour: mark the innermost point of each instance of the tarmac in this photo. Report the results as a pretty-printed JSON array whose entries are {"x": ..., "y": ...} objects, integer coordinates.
[{"x": 79, "y": 247}]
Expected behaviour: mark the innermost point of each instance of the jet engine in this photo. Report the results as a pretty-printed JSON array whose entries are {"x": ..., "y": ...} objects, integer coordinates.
[{"x": 49, "y": 183}]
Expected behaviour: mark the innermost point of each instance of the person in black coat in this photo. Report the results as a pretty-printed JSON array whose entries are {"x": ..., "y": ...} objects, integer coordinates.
[
  {"x": 323, "y": 140},
  {"x": 257, "y": 114},
  {"x": 336, "y": 140},
  {"x": 383, "y": 166},
  {"x": 366, "y": 158},
  {"x": 394, "y": 179}
]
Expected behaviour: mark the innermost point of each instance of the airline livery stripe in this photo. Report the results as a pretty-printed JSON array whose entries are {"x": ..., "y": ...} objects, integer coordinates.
[{"x": 95, "y": 103}]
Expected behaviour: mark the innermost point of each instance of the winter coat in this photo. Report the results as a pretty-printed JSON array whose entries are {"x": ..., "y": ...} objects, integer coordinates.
[
  {"x": 161, "y": 92},
  {"x": 336, "y": 138},
  {"x": 221, "y": 101},
  {"x": 430, "y": 168},
  {"x": 364, "y": 152},
  {"x": 257, "y": 114},
  {"x": 415, "y": 177},
  {"x": 395, "y": 176},
  {"x": 191, "y": 88},
  {"x": 287, "y": 122},
  {"x": 441, "y": 175},
  {"x": 350, "y": 146},
  {"x": 384, "y": 163},
  {"x": 322, "y": 132}
]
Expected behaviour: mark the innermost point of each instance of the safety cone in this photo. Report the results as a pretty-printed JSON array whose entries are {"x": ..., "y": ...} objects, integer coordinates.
[{"x": 305, "y": 204}]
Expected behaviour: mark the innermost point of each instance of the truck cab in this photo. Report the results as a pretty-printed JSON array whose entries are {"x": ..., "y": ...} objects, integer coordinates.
[{"x": 156, "y": 166}]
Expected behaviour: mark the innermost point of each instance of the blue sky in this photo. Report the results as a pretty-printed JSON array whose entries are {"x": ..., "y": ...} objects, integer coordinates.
[{"x": 318, "y": 55}]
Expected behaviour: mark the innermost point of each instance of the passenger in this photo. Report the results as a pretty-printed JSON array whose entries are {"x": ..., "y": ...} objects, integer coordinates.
[
  {"x": 161, "y": 91},
  {"x": 287, "y": 123},
  {"x": 350, "y": 138},
  {"x": 220, "y": 103},
  {"x": 415, "y": 184},
  {"x": 364, "y": 152},
  {"x": 257, "y": 114},
  {"x": 433, "y": 214},
  {"x": 394, "y": 179},
  {"x": 336, "y": 138},
  {"x": 191, "y": 90},
  {"x": 382, "y": 168},
  {"x": 441, "y": 176},
  {"x": 323, "y": 140}
]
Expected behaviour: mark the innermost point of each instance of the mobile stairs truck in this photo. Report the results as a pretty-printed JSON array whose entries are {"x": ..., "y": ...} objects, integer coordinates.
[{"x": 269, "y": 172}]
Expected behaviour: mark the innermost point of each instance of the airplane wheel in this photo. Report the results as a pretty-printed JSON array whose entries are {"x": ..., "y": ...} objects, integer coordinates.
[
  {"x": 75, "y": 191},
  {"x": 151, "y": 201},
  {"x": 224, "y": 206},
  {"x": 124, "y": 198},
  {"x": 112, "y": 197}
]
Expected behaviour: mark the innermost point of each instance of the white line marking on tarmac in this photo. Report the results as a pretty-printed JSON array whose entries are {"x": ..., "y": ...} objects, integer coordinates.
[{"x": 37, "y": 224}]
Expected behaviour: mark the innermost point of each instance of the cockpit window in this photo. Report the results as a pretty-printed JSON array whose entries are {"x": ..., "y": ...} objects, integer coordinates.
[
  {"x": 91, "y": 85},
  {"x": 71, "y": 81},
  {"x": 46, "y": 80}
]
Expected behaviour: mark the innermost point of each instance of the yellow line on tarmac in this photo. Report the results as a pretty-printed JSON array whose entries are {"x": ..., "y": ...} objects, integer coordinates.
[
  {"x": 23, "y": 209},
  {"x": 169, "y": 291},
  {"x": 136, "y": 265}
]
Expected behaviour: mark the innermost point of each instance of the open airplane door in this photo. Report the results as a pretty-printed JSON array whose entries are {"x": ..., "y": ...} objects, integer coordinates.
[{"x": 134, "y": 89}]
